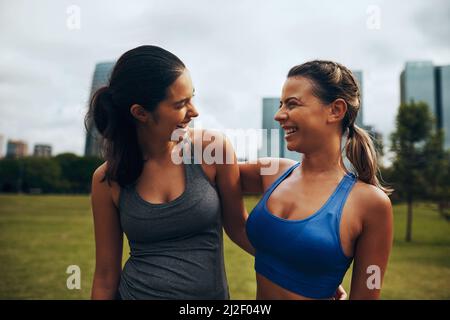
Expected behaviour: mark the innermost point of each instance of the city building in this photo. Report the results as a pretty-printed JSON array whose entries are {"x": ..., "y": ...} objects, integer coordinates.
[
  {"x": 16, "y": 149},
  {"x": 100, "y": 78},
  {"x": 273, "y": 142},
  {"x": 2, "y": 141},
  {"x": 443, "y": 102},
  {"x": 359, "y": 77},
  {"x": 421, "y": 81},
  {"x": 42, "y": 150}
]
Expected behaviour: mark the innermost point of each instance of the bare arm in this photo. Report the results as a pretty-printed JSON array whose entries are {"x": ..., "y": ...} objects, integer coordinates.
[
  {"x": 108, "y": 239},
  {"x": 252, "y": 174},
  {"x": 372, "y": 248},
  {"x": 251, "y": 180},
  {"x": 233, "y": 209}
]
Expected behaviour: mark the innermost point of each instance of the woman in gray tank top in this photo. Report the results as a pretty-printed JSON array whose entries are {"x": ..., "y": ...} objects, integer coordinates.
[{"x": 172, "y": 213}]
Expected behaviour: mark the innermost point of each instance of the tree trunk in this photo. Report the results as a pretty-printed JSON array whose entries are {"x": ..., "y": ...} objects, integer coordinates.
[{"x": 409, "y": 218}]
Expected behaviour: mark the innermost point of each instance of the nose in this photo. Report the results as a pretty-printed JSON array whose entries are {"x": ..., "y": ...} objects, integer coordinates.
[
  {"x": 193, "y": 111},
  {"x": 281, "y": 115}
]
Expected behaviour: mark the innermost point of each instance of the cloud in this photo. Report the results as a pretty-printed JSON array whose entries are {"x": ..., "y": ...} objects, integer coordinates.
[{"x": 238, "y": 52}]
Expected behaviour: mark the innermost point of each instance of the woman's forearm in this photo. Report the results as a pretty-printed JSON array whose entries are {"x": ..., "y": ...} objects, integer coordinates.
[
  {"x": 104, "y": 288},
  {"x": 240, "y": 238}
]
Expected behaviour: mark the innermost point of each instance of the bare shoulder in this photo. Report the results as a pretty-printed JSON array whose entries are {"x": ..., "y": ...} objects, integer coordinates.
[
  {"x": 207, "y": 136},
  {"x": 215, "y": 144},
  {"x": 286, "y": 164},
  {"x": 101, "y": 185},
  {"x": 99, "y": 173},
  {"x": 372, "y": 201}
]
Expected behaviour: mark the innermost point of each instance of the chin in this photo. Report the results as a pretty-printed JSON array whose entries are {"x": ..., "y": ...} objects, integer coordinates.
[{"x": 294, "y": 147}]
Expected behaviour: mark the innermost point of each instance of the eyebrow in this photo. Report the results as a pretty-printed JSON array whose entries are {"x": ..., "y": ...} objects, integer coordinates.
[
  {"x": 186, "y": 99},
  {"x": 299, "y": 99}
]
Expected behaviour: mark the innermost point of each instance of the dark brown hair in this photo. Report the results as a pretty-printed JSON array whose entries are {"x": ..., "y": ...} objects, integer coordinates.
[{"x": 140, "y": 76}]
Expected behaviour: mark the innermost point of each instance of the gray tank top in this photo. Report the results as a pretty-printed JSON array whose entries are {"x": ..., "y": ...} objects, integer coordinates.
[{"x": 176, "y": 248}]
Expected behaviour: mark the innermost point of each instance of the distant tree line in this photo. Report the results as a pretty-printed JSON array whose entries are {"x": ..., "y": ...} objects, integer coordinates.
[
  {"x": 420, "y": 168},
  {"x": 64, "y": 173}
]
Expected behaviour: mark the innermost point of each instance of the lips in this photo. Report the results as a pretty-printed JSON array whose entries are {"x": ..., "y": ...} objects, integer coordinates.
[
  {"x": 183, "y": 125},
  {"x": 289, "y": 131}
]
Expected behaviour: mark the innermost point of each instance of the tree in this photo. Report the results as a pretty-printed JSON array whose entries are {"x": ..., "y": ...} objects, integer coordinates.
[
  {"x": 409, "y": 144},
  {"x": 436, "y": 171},
  {"x": 41, "y": 173},
  {"x": 10, "y": 175},
  {"x": 77, "y": 171},
  {"x": 65, "y": 173}
]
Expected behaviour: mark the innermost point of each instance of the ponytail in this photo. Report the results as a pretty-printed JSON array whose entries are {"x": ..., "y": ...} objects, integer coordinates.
[
  {"x": 141, "y": 76},
  {"x": 334, "y": 81},
  {"x": 361, "y": 152},
  {"x": 119, "y": 144},
  {"x": 101, "y": 104}
]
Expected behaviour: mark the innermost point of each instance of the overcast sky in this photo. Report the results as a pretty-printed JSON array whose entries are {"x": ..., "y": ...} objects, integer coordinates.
[{"x": 238, "y": 52}]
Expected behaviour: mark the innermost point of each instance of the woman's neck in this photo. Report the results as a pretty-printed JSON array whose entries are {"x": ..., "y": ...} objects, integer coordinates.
[
  {"x": 154, "y": 148},
  {"x": 324, "y": 161}
]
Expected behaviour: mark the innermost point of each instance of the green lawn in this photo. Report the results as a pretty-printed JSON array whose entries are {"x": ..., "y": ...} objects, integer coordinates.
[{"x": 40, "y": 236}]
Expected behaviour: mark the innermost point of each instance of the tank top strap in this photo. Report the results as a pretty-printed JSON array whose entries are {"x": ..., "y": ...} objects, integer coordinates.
[
  {"x": 279, "y": 180},
  {"x": 342, "y": 194},
  {"x": 192, "y": 159},
  {"x": 192, "y": 154},
  {"x": 187, "y": 162}
]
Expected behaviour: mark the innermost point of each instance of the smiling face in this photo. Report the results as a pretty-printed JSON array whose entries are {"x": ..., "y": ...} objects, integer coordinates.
[
  {"x": 177, "y": 110},
  {"x": 302, "y": 115},
  {"x": 174, "y": 112}
]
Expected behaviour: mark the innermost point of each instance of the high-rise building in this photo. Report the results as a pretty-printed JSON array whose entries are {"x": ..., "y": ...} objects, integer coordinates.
[
  {"x": 1, "y": 145},
  {"x": 443, "y": 101},
  {"x": 421, "y": 81},
  {"x": 16, "y": 149},
  {"x": 417, "y": 83},
  {"x": 42, "y": 150},
  {"x": 271, "y": 136},
  {"x": 359, "y": 77},
  {"x": 101, "y": 78},
  {"x": 273, "y": 144}
]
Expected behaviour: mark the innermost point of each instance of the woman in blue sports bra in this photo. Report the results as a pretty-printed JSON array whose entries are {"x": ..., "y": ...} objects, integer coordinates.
[{"x": 315, "y": 217}]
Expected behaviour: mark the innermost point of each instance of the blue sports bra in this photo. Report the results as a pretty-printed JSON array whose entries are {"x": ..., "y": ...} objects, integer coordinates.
[{"x": 303, "y": 256}]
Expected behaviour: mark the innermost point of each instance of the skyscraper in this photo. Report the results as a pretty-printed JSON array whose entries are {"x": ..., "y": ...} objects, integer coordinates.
[
  {"x": 443, "y": 101},
  {"x": 417, "y": 83},
  {"x": 421, "y": 81},
  {"x": 16, "y": 149},
  {"x": 271, "y": 139},
  {"x": 1, "y": 145},
  {"x": 274, "y": 144},
  {"x": 42, "y": 150},
  {"x": 101, "y": 78},
  {"x": 359, "y": 77}
]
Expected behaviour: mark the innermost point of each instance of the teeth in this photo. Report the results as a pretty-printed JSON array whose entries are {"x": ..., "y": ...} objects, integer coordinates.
[{"x": 291, "y": 130}]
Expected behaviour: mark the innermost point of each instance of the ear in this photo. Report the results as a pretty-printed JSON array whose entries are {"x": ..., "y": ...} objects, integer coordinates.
[
  {"x": 337, "y": 110},
  {"x": 139, "y": 113}
]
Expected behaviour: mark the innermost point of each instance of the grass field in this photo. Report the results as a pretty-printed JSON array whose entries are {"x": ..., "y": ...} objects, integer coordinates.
[{"x": 40, "y": 236}]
